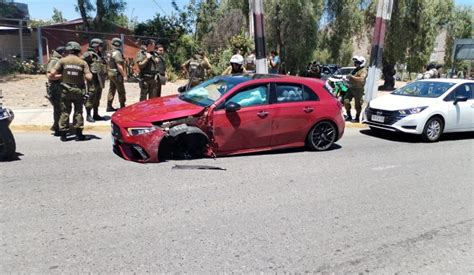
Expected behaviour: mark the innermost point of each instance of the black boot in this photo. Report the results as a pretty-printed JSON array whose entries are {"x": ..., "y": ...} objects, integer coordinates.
[
  {"x": 57, "y": 133},
  {"x": 96, "y": 116},
  {"x": 122, "y": 105},
  {"x": 89, "y": 117},
  {"x": 63, "y": 136},
  {"x": 79, "y": 135},
  {"x": 110, "y": 108}
]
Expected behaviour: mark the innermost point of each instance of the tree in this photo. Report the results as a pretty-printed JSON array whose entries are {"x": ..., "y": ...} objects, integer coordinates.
[
  {"x": 412, "y": 31},
  {"x": 459, "y": 26},
  {"x": 345, "y": 20},
  {"x": 106, "y": 12},
  {"x": 292, "y": 27},
  {"x": 58, "y": 16}
]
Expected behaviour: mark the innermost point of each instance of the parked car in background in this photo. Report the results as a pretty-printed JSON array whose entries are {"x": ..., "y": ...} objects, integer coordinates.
[
  {"x": 428, "y": 108},
  {"x": 340, "y": 72},
  {"x": 327, "y": 70},
  {"x": 229, "y": 115}
]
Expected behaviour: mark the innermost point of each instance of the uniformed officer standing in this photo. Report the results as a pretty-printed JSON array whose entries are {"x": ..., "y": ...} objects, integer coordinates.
[
  {"x": 196, "y": 68},
  {"x": 356, "y": 88},
  {"x": 147, "y": 61},
  {"x": 117, "y": 75},
  {"x": 72, "y": 71},
  {"x": 161, "y": 76},
  {"x": 54, "y": 89},
  {"x": 97, "y": 65}
]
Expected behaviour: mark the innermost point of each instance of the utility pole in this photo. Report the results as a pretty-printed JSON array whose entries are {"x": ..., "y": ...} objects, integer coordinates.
[
  {"x": 258, "y": 22},
  {"x": 384, "y": 11}
]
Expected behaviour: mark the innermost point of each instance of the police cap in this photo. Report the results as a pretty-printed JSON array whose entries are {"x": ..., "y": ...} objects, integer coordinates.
[{"x": 60, "y": 50}]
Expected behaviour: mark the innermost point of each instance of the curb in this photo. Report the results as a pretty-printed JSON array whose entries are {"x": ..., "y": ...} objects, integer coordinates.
[{"x": 106, "y": 128}]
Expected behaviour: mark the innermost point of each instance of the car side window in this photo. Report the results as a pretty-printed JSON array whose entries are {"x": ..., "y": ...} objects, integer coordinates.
[
  {"x": 293, "y": 93},
  {"x": 462, "y": 90},
  {"x": 256, "y": 95}
]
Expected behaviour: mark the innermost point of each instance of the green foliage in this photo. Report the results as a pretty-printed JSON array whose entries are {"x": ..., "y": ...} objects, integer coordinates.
[
  {"x": 413, "y": 29},
  {"x": 107, "y": 11},
  {"x": 345, "y": 20},
  {"x": 58, "y": 16},
  {"x": 242, "y": 42},
  {"x": 220, "y": 60},
  {"x": 460, "y": 26},
  {"x": 15, "y": 65},
  {"x": 291, "y": 27}
]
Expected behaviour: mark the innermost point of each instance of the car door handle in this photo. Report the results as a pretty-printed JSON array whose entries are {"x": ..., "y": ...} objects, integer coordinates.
[
  {"x": 308, "y": 109},
  {"x": 262, "y": 114}
]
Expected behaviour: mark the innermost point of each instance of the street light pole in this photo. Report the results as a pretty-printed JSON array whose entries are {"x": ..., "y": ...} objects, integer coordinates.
[
  {"x": 384, "y": 11},
  {"x": 258, "y": 22}
]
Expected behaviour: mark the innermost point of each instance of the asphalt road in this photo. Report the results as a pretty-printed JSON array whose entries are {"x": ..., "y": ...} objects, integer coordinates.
[{"x": 370, "y": 205}]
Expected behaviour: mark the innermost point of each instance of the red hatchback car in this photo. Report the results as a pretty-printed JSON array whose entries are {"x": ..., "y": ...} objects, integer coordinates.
[{"x": 230, "y": 115}]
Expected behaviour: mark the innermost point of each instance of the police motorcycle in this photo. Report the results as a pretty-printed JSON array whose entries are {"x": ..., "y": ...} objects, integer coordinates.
[
  {"x": 7, "y": 141},
  {"x": 339, "y": 87}
]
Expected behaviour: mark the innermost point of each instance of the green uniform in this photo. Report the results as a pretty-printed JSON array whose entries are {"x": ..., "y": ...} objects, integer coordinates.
[
  {"x": 73, "y": 70},
  {"x": 98, "y": 69},
  {"x": 54, "y": 91},
  {"x": 197, "y": 67},
  {"x": 161, "y": 77},
  {"x": 148, "y": 72},
  {"x": 116, "y": 79},
  {"x": 356, "y": 92}
]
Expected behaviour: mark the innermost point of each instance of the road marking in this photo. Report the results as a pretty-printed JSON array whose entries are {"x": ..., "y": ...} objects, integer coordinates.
[{"x": 380, "y": 168}]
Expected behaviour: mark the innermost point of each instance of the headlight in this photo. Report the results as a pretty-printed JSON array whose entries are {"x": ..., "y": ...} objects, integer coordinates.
[
  {"x": 412, "y": 111},
  {"x": 140, "y": 130}
]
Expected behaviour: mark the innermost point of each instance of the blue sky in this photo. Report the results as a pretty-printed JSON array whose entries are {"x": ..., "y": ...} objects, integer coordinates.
[{"x": 142, "y": 9}]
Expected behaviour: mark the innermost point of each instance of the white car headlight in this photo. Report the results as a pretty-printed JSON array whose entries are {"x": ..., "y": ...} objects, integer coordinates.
[
  {"x": 412, "y": 111},
  {"x": 136, "y": 131}
]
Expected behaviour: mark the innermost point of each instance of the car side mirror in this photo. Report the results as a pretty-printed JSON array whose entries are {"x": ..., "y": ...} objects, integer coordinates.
[
  {"x": 460, "y": 98},
  {"x": 232, "y": 107}
]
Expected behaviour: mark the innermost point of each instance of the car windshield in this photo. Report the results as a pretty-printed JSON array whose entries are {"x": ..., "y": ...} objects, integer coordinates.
[
  {"x": 430, "y": 89},
  {"x": 345, "y": 71},
  {"x": 211, "y": 90}
]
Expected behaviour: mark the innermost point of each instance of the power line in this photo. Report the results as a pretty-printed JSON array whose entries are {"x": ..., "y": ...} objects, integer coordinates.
[{"x": 160, "y": 7}]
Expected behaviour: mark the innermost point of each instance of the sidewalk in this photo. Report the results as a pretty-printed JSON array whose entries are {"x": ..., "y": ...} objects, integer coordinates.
[{"x": 41, "y": 119}]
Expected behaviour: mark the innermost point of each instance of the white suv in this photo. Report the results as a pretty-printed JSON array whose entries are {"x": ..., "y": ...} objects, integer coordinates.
[{"x": 426, "y": 107}]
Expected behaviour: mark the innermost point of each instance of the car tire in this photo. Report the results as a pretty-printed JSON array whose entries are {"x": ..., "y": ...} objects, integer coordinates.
[
  {"x": 433, "y": 129},
  {"x": 322, "y": 136},
  {"x": 7, "y": 142}
]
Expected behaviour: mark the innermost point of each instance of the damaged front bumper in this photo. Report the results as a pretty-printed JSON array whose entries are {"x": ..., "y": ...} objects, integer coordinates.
[{"x": 139, "y": 148}]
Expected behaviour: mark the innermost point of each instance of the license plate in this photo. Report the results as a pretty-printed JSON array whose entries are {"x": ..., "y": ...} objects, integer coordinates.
[{"x": 377, "y": 118}]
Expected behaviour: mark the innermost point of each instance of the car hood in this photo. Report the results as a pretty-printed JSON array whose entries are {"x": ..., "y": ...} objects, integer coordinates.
[
  {"x": 158, "y": 109},
  {"x": 399, "y": 102}
]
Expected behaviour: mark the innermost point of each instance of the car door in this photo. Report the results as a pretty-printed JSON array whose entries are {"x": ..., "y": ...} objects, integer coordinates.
[
  {"x": 247, "y": 128},
  {"x": 460, "y": 115},
  {"x": 295, "y": 108}
]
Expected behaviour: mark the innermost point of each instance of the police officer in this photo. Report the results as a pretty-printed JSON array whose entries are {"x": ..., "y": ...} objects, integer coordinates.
[
  {"x": 147, "y": 61},
  {"x": 236, "y": 65},
  {"x": 161, "y": 76},
  {"x": 97, "y": 65},
  {"x": 72, "y": 71},
  {"x": 356, "y": 88},
  {"x": 117, "y": 74},
  {"x": 54, "y": 89},
  {"x": 196, "y": 68}
]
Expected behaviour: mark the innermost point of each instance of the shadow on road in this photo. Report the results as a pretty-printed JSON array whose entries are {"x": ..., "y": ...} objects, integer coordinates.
[
  {"x": 407, "y": 138},
  {"x": 15, "y": 157}
]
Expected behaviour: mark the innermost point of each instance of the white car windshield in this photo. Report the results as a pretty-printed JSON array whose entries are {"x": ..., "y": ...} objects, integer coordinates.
[{"x": 430, "y": 89}]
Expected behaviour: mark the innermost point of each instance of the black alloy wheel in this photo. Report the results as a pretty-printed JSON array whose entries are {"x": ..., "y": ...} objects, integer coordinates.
[{"x": 322, "y": 136}]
